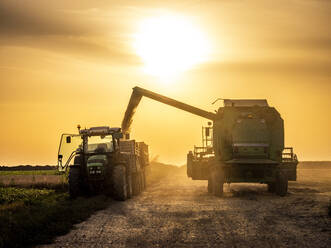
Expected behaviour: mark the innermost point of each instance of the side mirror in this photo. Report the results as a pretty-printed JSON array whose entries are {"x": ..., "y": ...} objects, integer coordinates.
[
  {"x": 127, "y": 136},
  {"x": 118, "y": 135},
  {"x": 68, "y": 139},
  {"x": 59, "y": 157}
]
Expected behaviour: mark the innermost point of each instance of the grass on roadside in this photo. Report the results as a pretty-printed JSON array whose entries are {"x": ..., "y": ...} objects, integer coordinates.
[
  {"x": 34, "y": 179},
  {"x": 29, "y": 172},
  {"x": 35, "y": 216}
]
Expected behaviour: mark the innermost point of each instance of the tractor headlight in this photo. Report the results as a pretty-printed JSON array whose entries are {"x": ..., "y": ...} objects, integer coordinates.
[{"x": 95, "y": 170}]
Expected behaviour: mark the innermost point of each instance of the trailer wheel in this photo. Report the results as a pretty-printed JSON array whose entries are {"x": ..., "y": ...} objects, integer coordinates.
[
  {"x": 119, "y": 182},
  {"x": 281, "y": 184},
  {"x": 218, "y": 181},
  {"x": 74, "y": 182},
  {"x": 135, "y": 184},
  {"x": 129, "y": 186},
  {"x": 139, "y": 183},
  {"x": 142, "y": 181}
]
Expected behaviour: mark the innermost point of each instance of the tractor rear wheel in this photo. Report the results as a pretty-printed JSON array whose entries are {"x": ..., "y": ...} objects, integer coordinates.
[
  {"x": 119, "y": 182},
  {"x": 74, "y": 181},
  {"x": 281, "y": 184}
]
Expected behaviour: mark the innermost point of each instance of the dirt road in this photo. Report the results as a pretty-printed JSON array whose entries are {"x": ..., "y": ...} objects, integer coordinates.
[{"x": 177, "y": 212}]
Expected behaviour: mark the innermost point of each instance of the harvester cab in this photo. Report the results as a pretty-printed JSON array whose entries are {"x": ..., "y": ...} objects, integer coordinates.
[{"x": 98, "y": 160}]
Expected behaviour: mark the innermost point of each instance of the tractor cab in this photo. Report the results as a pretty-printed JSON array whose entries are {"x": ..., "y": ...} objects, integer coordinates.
[{"x": 92, "y": 144}]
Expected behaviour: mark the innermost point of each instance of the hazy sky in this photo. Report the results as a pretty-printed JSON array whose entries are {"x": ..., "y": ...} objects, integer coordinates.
[{"x": 64, "y": 63}]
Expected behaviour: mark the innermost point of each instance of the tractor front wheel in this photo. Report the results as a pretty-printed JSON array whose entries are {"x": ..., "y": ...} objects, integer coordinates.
[
  {"x": 74, "y": 181},
  {"x": 119, "y": 182}
]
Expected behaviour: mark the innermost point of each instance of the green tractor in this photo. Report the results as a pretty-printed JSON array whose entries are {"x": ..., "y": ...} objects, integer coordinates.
[{"x": 98, "y": 160}]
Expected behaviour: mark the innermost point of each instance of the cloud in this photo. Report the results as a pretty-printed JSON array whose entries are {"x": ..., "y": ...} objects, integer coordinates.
[
  {"x": 314, "y": 43},
  {"x": 89, "y": 33},
  {"x": 271, "y": 68},
  {"x": 24, "y": 20}
]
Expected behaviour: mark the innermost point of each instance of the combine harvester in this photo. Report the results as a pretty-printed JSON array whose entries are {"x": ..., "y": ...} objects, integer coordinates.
[
  {"x": 97, "y": 160},
  {"x": 243, "y": 143}
]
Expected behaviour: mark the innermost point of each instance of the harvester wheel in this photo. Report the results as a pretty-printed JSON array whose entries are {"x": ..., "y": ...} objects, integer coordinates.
[
  {"x": 119, "y": 182},
  {"x": 218, "y": 181},
  {"x": 271, "y": 187},
  {"x": 74, "y": 181},
  {"x": 210, "y": 183},
  {"x": 281, "y": 184},
  {"x": 189, "y": 164}
]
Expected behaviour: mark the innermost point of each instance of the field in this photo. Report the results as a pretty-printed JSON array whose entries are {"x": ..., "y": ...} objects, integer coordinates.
[
  {"x": 174, "y": 211},
  {"x": 35, "y": 207}
]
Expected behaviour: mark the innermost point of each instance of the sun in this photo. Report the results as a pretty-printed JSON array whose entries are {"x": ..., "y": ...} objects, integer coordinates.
[{"x": 169, "y": 45}]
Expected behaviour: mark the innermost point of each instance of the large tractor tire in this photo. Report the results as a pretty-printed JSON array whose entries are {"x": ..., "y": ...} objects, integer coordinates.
[
  {"x": 74, "y": 181},
  {"x": 281, "y": 183},
  {"x": 119, "y": 182},
  {"x": 218, "y": 181}
]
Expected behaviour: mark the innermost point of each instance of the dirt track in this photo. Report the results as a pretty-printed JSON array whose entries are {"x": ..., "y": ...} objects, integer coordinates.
[{"x": 177, "y": 212}]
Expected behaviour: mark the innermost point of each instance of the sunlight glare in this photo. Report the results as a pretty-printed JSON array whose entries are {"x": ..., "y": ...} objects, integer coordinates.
[{"x": 169, "y": 45}]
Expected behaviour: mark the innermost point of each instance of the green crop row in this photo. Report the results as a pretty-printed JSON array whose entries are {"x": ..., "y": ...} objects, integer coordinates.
[
  {"x": 30, "y": 216},
  {"x": 12, "y": 194},
  {"x": 31, "y": 172}
]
